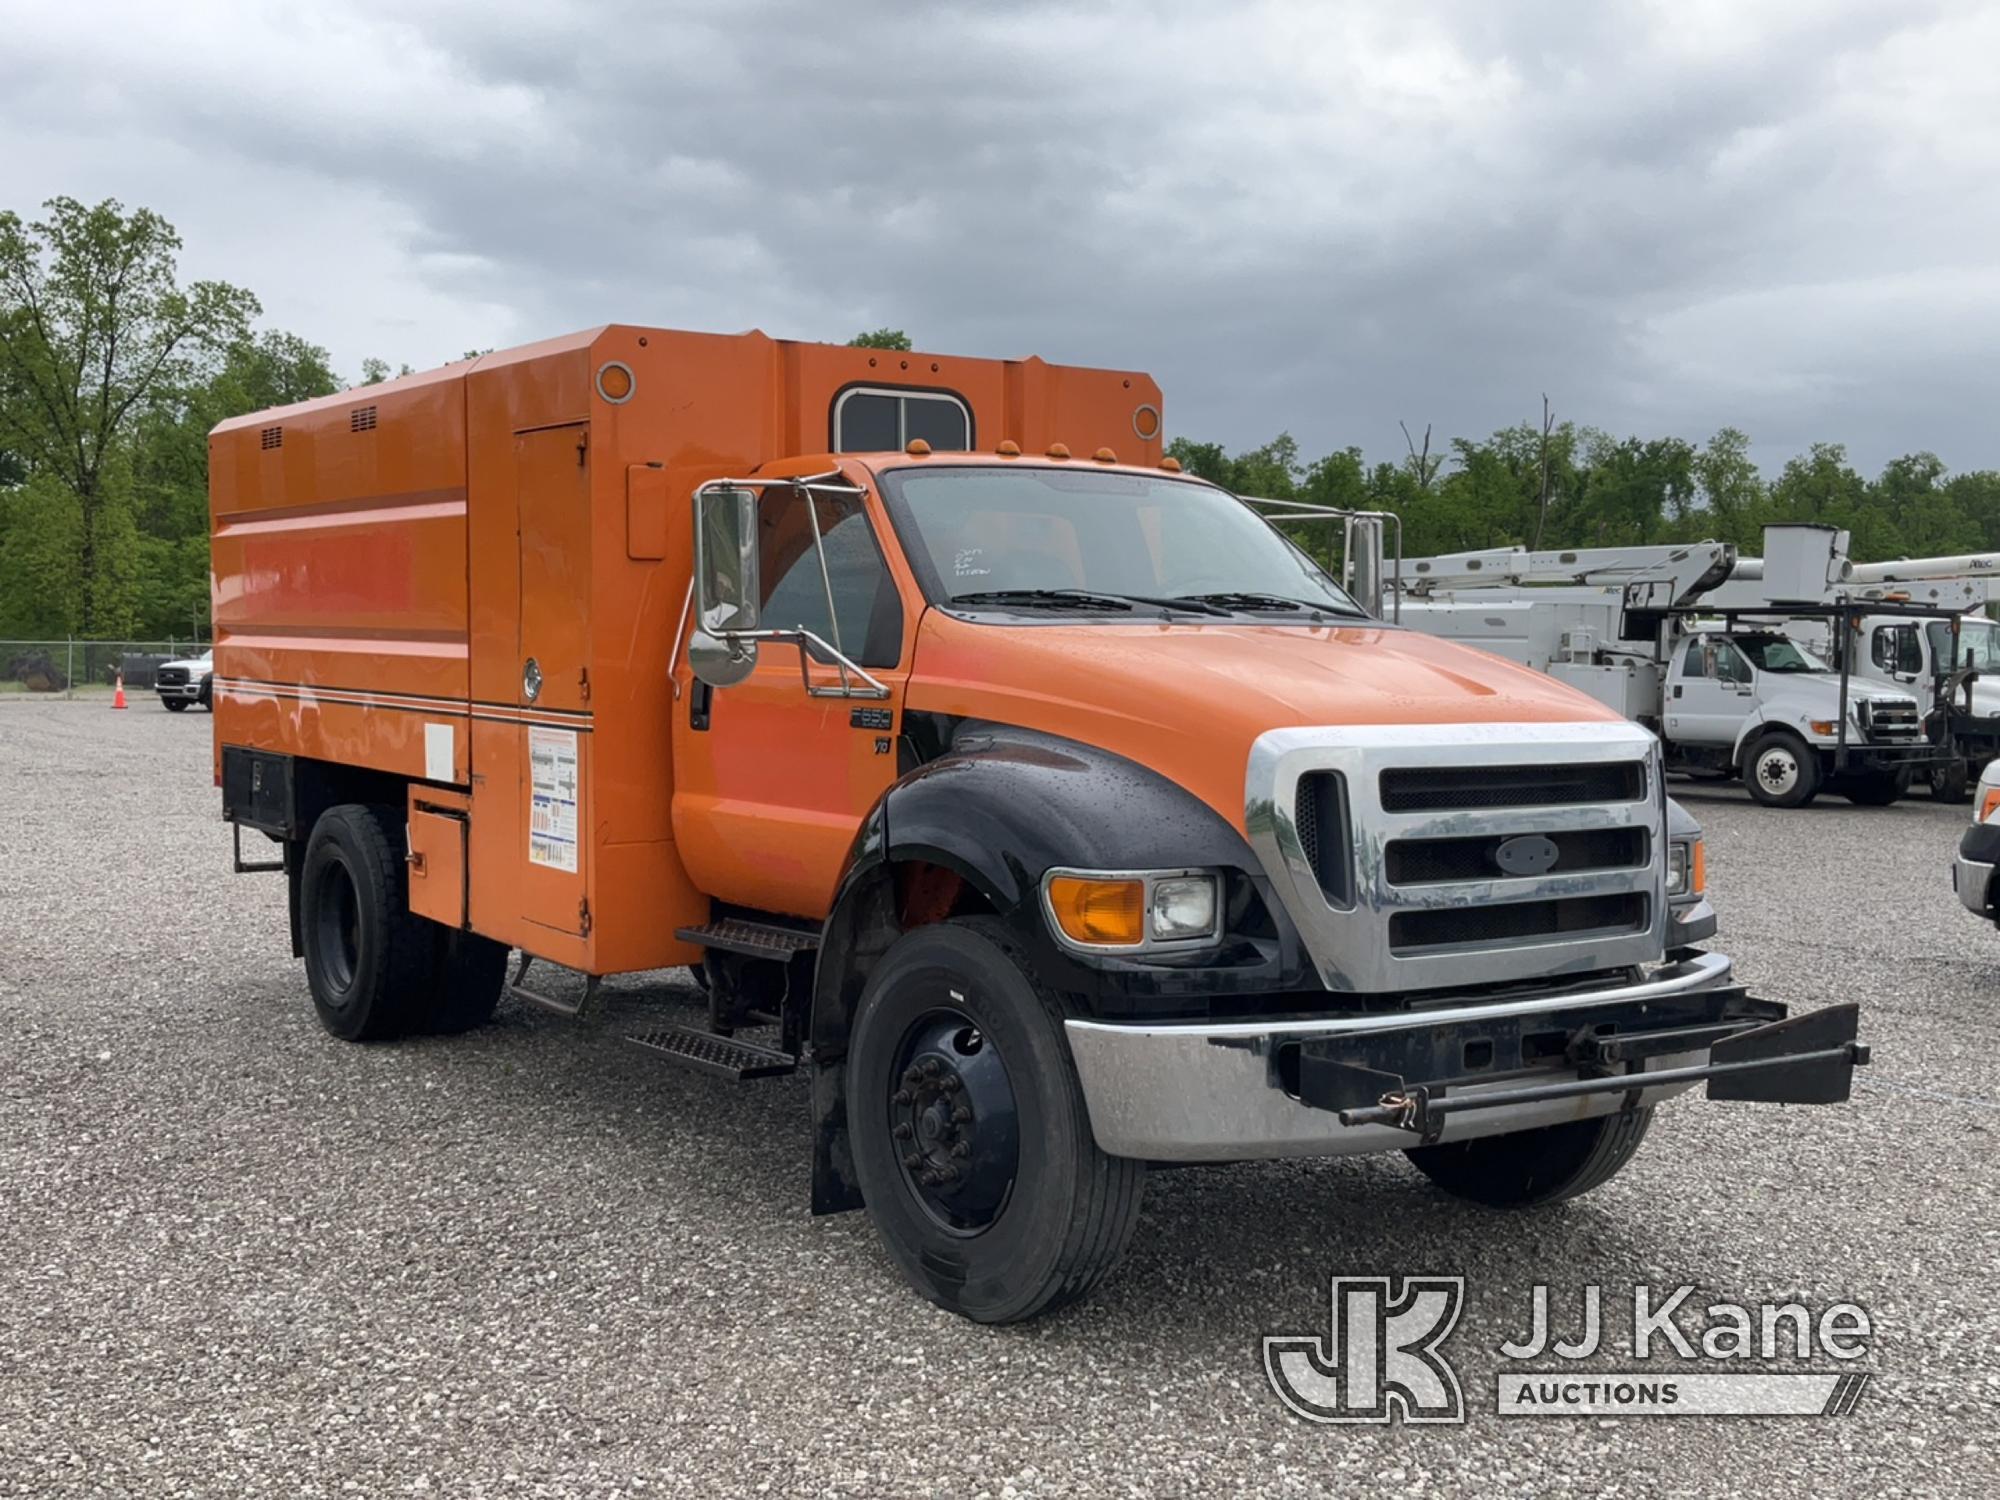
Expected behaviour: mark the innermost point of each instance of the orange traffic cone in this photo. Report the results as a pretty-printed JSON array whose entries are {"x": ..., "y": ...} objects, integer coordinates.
[{"x": 118, "y": 698}]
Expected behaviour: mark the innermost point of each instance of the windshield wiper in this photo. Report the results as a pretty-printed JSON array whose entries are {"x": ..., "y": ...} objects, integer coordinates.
[
  {"x": 1045, "y": 598},
  {"x": 1084, "y": 599},
  {"x": 1271, "y": 603}
]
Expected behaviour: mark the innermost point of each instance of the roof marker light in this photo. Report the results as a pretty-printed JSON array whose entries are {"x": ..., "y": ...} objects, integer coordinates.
[
  {"x": 917, "y": 448},
  {"x": 1105, "y": 456},
  {"x": 1058, "y": 450},
  {"x": 1171, "y": 465},
  {"x": 1009, "y": 449}
]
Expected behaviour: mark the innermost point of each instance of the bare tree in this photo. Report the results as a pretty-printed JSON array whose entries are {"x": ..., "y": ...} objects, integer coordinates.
[
  {"x": 1423, "y": 468},
  {"x": 1542, "y": 498}
]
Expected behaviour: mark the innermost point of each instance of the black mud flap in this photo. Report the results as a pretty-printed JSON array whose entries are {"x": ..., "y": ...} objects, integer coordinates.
[{"x": 1823, "y": 1074}]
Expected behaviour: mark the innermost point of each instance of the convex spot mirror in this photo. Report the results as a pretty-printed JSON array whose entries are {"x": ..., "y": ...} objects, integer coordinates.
[{"x": 726, "y": 585}]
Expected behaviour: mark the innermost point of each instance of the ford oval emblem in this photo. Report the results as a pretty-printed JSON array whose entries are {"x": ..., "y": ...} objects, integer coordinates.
[{"x": 1530, "y": 854}]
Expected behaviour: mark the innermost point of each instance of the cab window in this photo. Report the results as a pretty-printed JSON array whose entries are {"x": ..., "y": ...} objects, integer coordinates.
[
  {"x": 1895, "y": 648},
  {"x": 865, "y": 604},
  {"x": 1707, "y": 657}
]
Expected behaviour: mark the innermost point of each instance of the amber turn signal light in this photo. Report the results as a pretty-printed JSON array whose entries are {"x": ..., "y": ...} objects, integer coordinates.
[
  {"x": 1989, "y": 800},
  {"x": 1108, "y": 913},
  {"x": 1700, "y": 881}
]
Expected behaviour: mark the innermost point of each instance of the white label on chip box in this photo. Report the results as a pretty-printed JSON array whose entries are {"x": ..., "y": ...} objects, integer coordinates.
[
  {"x": 552, "y": 798},
  {"x": 438, "y": 747}
]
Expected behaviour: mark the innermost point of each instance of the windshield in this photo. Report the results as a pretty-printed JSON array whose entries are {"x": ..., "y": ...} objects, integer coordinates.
[
  {"x": 1978, "y": 638},
  {"x": 1083, "y": 540},
  {"x": 1777, "y": 653}
]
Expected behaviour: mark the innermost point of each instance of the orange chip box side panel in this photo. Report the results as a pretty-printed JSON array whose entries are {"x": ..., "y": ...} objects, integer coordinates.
[{"x": 338, "y": 576}]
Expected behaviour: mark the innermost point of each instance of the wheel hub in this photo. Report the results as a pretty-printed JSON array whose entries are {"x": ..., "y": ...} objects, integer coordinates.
[
  {"x": 954, "y": 1121},
  {"x": 1777, "y": 770}
]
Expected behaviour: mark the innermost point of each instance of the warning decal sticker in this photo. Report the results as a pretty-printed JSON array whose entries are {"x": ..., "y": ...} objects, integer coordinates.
[{"x": 552, "y": 799}]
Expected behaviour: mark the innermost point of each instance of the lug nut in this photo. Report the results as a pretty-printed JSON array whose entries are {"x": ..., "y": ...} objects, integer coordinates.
[
  {"x": 932, "y": 1067},
  {"x": 962, "y": 1149},
  {"x": 913, "y": 1075},
  {"x": 960, "y": 1114},
  {"x": 952, "y": 1083},
  {"x": 914, "y": 1160},
  {"x": 903, "y": 1131},
  {"x": 901, "y": 1096}
]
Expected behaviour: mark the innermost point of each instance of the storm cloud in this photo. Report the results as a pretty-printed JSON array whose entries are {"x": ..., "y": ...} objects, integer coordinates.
[{"x": 1318, "y": 217}]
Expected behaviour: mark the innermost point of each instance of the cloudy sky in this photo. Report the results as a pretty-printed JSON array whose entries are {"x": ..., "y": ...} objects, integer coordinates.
[{"x": 1324, "y": 217}]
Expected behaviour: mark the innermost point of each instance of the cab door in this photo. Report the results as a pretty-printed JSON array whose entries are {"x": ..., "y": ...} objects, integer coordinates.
[
  {"x": 1710, "y": 694},
  {"x": 771, "y": 784}
]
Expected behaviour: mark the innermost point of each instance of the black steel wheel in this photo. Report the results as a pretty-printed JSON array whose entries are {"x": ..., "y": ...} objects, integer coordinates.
[
  {"x": 970, "y": 1135},
  {"x": 369, "y": 960}
]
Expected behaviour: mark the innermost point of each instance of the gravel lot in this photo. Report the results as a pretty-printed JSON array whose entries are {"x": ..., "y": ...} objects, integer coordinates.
[{"x": 239, "y": 1258}]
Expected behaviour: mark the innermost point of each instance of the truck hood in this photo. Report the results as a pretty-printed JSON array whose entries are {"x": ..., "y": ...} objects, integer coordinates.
[{"x": 1188, "y": 700}]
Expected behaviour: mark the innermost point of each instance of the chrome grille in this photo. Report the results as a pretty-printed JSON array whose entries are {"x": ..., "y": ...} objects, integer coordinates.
[
  {"x": 1891, "y": 719},
  {"x": 1415, "y": 892}
]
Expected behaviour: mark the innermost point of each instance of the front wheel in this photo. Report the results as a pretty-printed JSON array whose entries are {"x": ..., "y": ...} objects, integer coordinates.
[
  {"x": 175, "y": 705},
  {"x": 1532, "y": 1167},
  {"x": 970, "y": 1134},
  {"x": 1781, "y": 772},
  {"x": 1874, "y": 788}
]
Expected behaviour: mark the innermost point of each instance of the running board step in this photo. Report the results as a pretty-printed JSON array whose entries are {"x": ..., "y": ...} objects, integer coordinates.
[
  {"x": 706, "y": 1052},
  {"x": 752, "y": 939}
]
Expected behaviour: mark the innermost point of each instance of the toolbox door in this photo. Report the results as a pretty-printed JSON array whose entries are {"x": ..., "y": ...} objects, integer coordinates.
[{"x": 552, "y": 470}]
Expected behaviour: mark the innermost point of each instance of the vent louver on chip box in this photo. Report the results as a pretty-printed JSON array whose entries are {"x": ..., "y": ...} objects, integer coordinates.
[
  {"x": 361, "y": 419},
  {"x": 271, "y": 437}
]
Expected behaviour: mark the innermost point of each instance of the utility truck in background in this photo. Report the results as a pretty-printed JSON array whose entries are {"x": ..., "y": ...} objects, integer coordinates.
[
  {"x": 1044, "y": 804},
  {"x": 1743, "y": 667}
]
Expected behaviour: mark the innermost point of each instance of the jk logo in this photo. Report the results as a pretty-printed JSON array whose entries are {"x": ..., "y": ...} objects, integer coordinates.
[{"x": 1382, "y": 1358}]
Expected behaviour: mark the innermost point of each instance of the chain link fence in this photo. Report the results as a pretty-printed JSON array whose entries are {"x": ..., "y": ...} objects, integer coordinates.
[{"x": 72, "y": 666}]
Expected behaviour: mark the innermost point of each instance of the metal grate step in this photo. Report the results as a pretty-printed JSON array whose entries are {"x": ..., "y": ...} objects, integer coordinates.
[
  {"x": 706, "y": 1052},
  {"x": 753, "y": 939}
]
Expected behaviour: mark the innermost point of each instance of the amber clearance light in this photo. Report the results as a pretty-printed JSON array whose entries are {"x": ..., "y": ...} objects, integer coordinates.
[
  {"x": 1104, "y": 913},
  {"x": 1989, "y": 800}
]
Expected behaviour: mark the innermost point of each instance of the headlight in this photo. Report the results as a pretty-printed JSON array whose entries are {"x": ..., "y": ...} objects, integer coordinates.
[
  {"x": 1183, "y": 906},
  {"x": 1120, "y": 909},
  {"x": 1687, "y": 873}
]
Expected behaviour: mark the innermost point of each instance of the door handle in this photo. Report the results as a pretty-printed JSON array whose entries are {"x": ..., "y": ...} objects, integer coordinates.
[{"x": 1677, "y": 690}]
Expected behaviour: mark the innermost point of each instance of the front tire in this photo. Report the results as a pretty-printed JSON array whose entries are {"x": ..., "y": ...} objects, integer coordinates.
[
  {"x": 970, "y": 1134},
  {"x": 175, "y": 705},
  {"x": 369, "y": 959},
  {"x": 1874, "y": 788},
  {"x": 1950, "y": 781},
  {"x": 1530, "y": 1168},
  {"x": 1781, "y": 771}
]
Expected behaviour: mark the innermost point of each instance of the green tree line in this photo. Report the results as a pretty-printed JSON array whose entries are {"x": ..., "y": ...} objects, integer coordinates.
[
  {"x": 1550, "y": 485},
  {"x": 112, "y": 372}
]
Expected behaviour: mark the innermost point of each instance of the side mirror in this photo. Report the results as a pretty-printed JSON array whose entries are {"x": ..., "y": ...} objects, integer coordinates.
[{"x": 726, "y": 586}]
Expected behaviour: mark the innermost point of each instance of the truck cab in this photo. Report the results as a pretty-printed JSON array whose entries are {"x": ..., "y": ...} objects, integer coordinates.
[{"x": 1758, "y": 702}]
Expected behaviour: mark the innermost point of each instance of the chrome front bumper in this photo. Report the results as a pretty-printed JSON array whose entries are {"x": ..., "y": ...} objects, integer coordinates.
[
  {"x": 1973, "y": 880},
  {"x": 1208, "y": 1091}
]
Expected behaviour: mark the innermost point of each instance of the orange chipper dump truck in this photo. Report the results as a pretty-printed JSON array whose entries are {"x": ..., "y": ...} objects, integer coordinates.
[{"x": 1048, "y": 805}]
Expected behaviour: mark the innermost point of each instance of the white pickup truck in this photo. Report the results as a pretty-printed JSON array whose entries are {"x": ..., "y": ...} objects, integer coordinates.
[
  {"x": 189, "y": 680},
  {"x": 1757, "y": 704}
]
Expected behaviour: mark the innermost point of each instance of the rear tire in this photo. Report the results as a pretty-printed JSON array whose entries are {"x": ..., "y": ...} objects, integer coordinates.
[
  {"x": 1781, "y": 771},
  {"x": 369, "y": 960},
  {"x": 970, "y": 1134},
  {"x": 470, "y": 972},
  {"x": 1532, "y": 1167},
  {"x": 1950, "y": 781}
]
